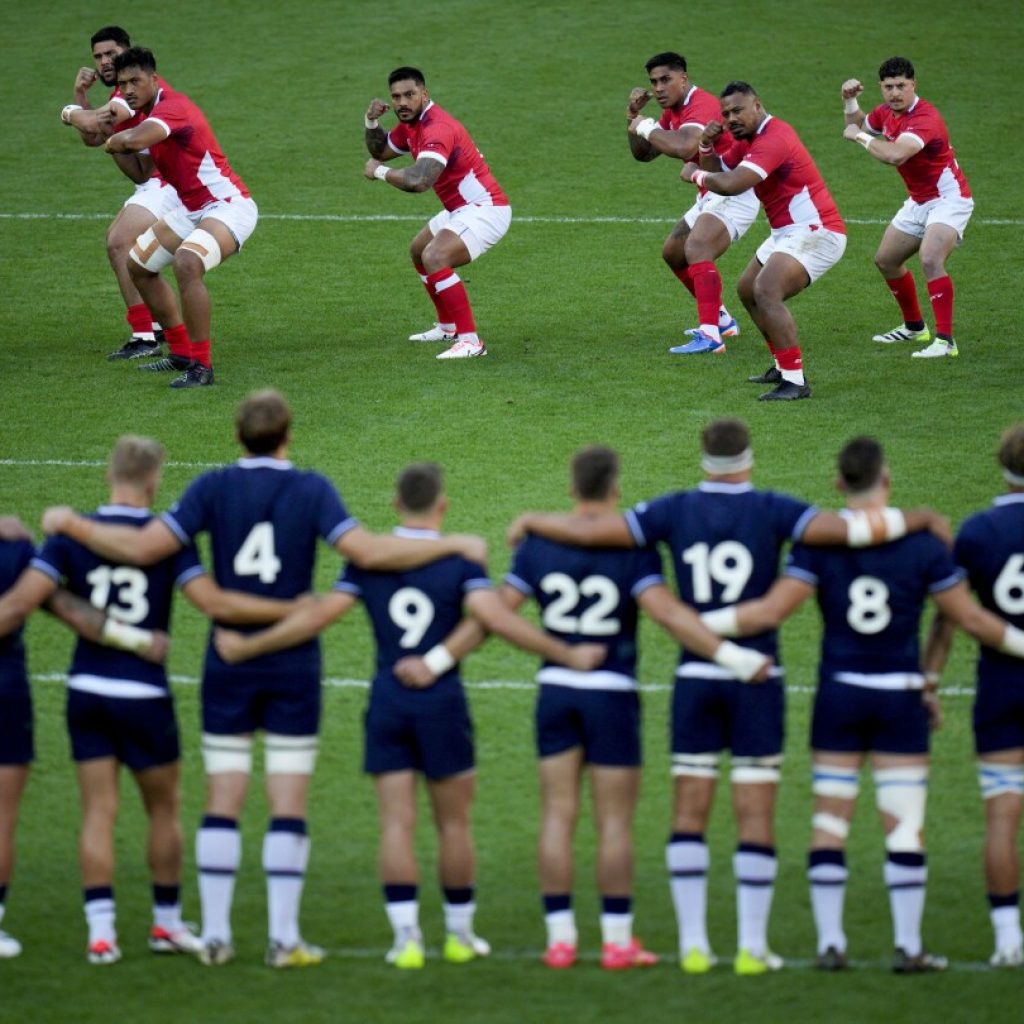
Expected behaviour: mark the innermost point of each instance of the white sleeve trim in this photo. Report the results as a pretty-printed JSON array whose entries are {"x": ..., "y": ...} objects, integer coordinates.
[
  {"x": 395, "y": 146},
  {"x": 122, "y": 101},
  {"x": 652, "y": 580},
  {"x": 443, "y": 160},
  {"x": 759, "y": 171},
  {"x": 519, "y": 583},
  {"x": 870, "y": 127},
  {"x": 163, "y": 124},
  {"x": 913, "y": 137},
  {"x": 635, "y": 528}
]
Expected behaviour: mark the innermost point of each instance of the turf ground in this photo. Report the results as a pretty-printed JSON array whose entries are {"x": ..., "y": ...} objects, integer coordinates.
[{"x": 578, "y": 312}]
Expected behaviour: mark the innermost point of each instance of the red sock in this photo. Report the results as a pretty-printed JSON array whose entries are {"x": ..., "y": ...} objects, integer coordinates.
[
  {"x": 139, "y": 319},
  {"x": 707, "y": 287},
  {"x": 201, "y": 352},
  {"x": 451, "y": 293},
  {"x": 790, "y": 358},
  {"x": 940, "y": 291},
  {"x": 904, "y": 291},
  {"x": 177, "y": 341},
  {"x": 442, "y": 311},
  {"x": 684, "y": 277},
  {"x": 771, "y": 347}
]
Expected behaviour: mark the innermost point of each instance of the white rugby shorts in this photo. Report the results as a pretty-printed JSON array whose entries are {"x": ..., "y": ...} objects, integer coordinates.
[
  {"x": 955, "y": 211},
  {"x": 478, "y": 226},
  {"x": 815, "y": 250},
  {"x": 156, "y": 196},
  {"x": 737, "y": 213},
  {"x": 238, "y": 215}
]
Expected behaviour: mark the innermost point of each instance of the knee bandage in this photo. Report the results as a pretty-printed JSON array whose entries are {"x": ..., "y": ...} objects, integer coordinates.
[
  {"x": 289, "y": 755},
  {"x": 833, "y": 824},
  {"x": 227, "y": 754},
  {"x": 205, "y": 246},
  {"x": 996, "y": 779},
  {"x": 831, "y": 780},
  {"x": 902, "y": 793},
  {"x": 697, "y": 766},
  {"x": 149, "y": 253},
  {"x": 754, "y": 770}
]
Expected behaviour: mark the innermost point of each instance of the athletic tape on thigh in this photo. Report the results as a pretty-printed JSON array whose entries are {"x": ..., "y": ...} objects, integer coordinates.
[
  {"x": 698, "y": 766},
  {"x": 832, "y": 780},
  {"x": 227, "y": 754},
  {"x": 149, "y": 253},
  {"x": 289, "y": 755},
  {"x": 902, "y": 793},
  {"x": 830, "y": 823},
  {"x": 752, "y": 770},
  {"x": 205, "y": 246},
  {"x": 995, "y": 779}
]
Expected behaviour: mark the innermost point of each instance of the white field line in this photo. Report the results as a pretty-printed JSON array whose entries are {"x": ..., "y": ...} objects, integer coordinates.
[
  {"x": 372, "y": 218},
  {"x": 492, "y": 684},
  {"x": 99, "y": 463}
]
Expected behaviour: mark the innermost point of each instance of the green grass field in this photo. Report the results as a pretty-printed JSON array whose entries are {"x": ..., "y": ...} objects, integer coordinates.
[{"x": 578, "y": 312}]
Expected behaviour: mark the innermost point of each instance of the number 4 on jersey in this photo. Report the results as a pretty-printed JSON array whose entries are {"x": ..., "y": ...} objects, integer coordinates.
[{"x": 256, "y": 556}]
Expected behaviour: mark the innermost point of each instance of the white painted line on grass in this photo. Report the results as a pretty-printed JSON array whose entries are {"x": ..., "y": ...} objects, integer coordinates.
[
  {"x": 98, "y": 463},
  {"x": 383, "y": 218}
]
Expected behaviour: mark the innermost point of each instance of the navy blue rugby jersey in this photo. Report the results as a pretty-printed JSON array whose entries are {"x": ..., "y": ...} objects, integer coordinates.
[
  {"x": 15, "y": 555},
  {"x": 587, "y": 595},
  {"x": 990, "y": 546},
  {"x": 726, "y": 541},
  {"x": 140, "y": 596},
  {"x": 871, "y": 601},
  {"x": 264, "y": 517},
  {"x": 410, "y": 612}
]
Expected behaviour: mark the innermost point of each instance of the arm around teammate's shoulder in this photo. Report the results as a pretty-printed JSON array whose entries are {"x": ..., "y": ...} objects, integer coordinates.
[
  {"x": 380, "y": 552},
  {"x": 134, "y": 545},
  {"x": 588, "y": 531}
]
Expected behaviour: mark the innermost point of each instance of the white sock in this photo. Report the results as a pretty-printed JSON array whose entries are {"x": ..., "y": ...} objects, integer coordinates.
[
  {"x": 1005, "y": 924},
  {"x": 143, "y": 336},
  {"x": 906, "y": 884},
  {"x": 724, "y": 317},
  {"x": 99, "y": 916},
  {"x": 470, "y": 336},
  {"x": 755, "y": 868},
  {"x": 561, "y": 926},
  {"x": 218, "y": 854},
  {"x": 458, "y": 918},
  {"x": 617, "y": 929},
  {"x": 404, "y": 917},
  {"x": 793, "y": 376},
  {"x": 828, "y": 889},
  {"x": 285, "y": 856},
  {"x": 687, "y": 861},
  {"x": 711, "y": 330}
]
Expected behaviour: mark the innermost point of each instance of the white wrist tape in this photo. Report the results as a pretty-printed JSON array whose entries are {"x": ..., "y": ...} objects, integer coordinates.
[
  {"x": 705, "y": 150},
  {"x": 851, "y": 106},
  {"x": 866, "y": 526},
  {"x": 439, "y": 660},
  {"x": 698, "y": 178},
  {"x": 864, "y": 139},
  {"x": 1013, "y": 641},
  {"x": 645, "y": 127},
  {"x": 65, "y": 114},
  {"x": 722, "y": 621},
  {"x": 741, "y": 661},
  {"x": 381, "y": 173},
  {"x": 370, "y": 122},
  {"x": 125, "y": 637}
]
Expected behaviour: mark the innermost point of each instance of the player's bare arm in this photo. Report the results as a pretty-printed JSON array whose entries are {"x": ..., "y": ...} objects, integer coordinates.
[
  {"x": 866, "y": 527},
  {"x": 134, "y": 140},
  {"x": 134, "y": 166},
  {"x": 12, "y": 528},
  {"x": 851, "y": 108},
  {"x": 680, "y": 144},
  {"x": 589, "y": 531},
  {"x": 886, "y": 152},
  {"x": 706, "y": 155},
  {"x": 31, "y": 590},
  {"x": 765, "y": 613},
  {"x": 641, "y": 149},
  {"x": 723, "y": 183},
  {"x": 420, "y": 177},
  {"x": 376, "y": 137},
  {"x": 232, "y": 607},
  {"x": 95, "y": 124},
  {"x": 309, "y": 618},
  {"x": 959, "y": 606},
  {"x": 385, "y": 553},
  {"x": 128, "y": 544},
  {"x": 937, "y": 647}
]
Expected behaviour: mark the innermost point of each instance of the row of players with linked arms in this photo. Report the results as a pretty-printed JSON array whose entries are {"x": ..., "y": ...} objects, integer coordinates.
[{"x": 725, "y": 538}]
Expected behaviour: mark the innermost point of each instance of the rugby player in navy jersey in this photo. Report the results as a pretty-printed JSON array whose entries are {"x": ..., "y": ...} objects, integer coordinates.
[
  {"x": 420, "y": 728},
  {"x": 990, "y": 547},
  {"x": 872, "y": 699},
  {"x": 263, "y": 516},
  {"x": 119, "y": 707},
  {"x": 725, "y": 539},
  {"x": 16, "y": 739}
]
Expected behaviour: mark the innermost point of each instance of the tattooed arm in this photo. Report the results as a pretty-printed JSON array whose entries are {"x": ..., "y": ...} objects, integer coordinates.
[{"x": 418, "y": 178}]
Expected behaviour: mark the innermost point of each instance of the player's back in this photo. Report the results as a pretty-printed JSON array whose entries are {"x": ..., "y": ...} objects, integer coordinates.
[
  {"x": 871, "y": 601},
  {"x": 990, "y": 546},
  {"x": 587, "y": 595},
  {"x": 411, "y": 612},
  {"x": 15, "y": 556}
]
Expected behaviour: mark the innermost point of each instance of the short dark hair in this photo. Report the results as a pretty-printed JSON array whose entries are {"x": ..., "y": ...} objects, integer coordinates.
[
  {"x": 594, "y": 471},
  {"x": 896, "y": 67},
  {"x": 1011, "y": 449},
  {"x": 668, "y": 59},
  {"x": 419, "y": 486},
  {"x": 135, "y": 57},
  {"x": 262, "y": 421},
  {"x": 725, "y": 437},
  {"x": 114, "y": 33},
  {"x": 401, "y": 74},
  {"x": 737, "y": 86},
  {"x": 860, "y": 464}
]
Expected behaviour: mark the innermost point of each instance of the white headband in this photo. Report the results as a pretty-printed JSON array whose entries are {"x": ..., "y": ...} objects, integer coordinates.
[
  {"x": 721, "y": 465},
  {"x": 1013, "y": 479}
]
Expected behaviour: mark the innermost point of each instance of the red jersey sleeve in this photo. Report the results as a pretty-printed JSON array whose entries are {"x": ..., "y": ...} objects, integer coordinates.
[
  {"x": 875, "y": 121},
  {"x": 923, "y": 124},
  {"x": 398, "y": 138},
  {"x": 766, "y": 154},
  {"x": 437, "y": 141},
  {"x": 729, "y": 150},
  {"x": 172, "y": 113}
]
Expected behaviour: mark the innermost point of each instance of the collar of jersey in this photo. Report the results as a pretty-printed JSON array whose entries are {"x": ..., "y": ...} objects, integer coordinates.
[
  {"x": 711, "y": 487},
  {"x": 1009, "y": 499},
  {"x": 414, "y": 531},
  {"x": 122, "y": 510},
  {"x": 263, "y": 462},
  {"x": 686, "y": 98},
  {"x": 764, "y": 124}
]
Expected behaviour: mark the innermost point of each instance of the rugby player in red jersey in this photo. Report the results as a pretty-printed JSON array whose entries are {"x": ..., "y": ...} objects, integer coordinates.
[
  {"x": 909, "y": 133},
  {"x": 476, "y": 211}
]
